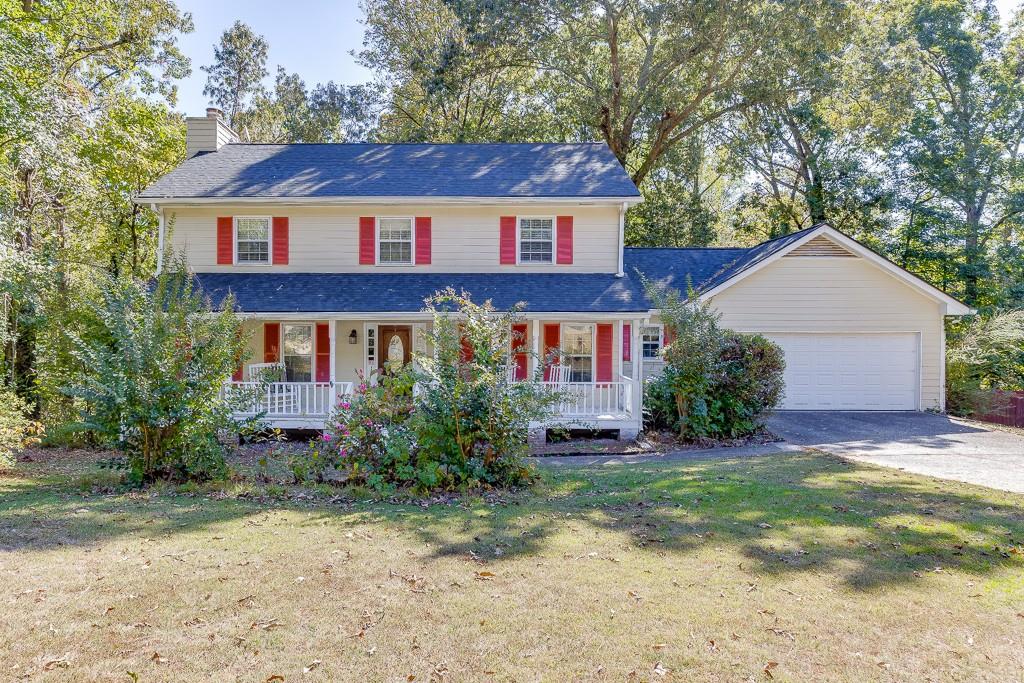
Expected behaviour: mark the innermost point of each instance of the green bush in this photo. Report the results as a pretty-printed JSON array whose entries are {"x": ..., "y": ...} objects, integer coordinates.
[
  {"x": 984, "y": 354},
  {"x": 152, "y": 372},
  {"x": 716, "y": 382},
  {"x": 16, "y": 429}
]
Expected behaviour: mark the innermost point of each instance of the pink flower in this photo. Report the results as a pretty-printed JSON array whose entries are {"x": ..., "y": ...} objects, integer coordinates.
[
  {"x": 342, "y": 452},
  {"x": 345, "y": 405},
  {"x": 325, "y": 436},
  {"x": 362, "y": 387}
]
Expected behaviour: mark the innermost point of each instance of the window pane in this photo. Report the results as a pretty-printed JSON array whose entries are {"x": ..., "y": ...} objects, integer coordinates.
[
  {"x": 253, "y": 235},
  {"x": 579, "y": 369},
  {"x": 577, "y": 339},
  {"x": 298, "y": 369},
  {"x": 535, "y": 240},
  {"x": 253, "y": 252},
  {"x": 650, "y": 338},
  {"x": 253, "y": 228},
  {"x": 298, "y": 340},
  {"x": 395, "y": 240}
]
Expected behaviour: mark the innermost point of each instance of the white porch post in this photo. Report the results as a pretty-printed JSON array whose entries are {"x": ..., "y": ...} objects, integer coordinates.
[
  {"x": 536, "y": 347},
  {"x": 637, "y": 356},
  {"x": 618, "y": 360}
]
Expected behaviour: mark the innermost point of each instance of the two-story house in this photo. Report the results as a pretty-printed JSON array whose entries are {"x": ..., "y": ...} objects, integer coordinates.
[{"x": 330, "y": 250}]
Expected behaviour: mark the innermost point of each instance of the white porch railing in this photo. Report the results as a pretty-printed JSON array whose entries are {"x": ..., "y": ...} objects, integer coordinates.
[
  {"x": 286, "y": 399},
  {"x": 593, "y": 399}
]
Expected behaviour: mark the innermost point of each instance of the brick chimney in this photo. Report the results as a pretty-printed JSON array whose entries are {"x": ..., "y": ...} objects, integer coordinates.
[{"x": 207, "y": 133}]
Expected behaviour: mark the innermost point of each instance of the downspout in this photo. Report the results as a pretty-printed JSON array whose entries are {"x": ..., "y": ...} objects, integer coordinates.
[
  {"x": 622, "y": 237},
  {"x": 159, "y": 239}
]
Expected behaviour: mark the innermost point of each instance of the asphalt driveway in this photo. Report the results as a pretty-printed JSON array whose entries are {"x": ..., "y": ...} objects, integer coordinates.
[{"x": 924, "y": 443}]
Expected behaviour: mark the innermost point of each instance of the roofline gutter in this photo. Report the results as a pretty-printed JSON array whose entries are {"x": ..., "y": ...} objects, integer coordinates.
[{"x": 402, "y": 199}]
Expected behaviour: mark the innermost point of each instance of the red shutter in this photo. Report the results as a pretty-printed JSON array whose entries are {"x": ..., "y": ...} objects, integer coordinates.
[
  {"x": 519, "y": 350},
  {"x": 627, "y": 341},
  {"x": 670, "y": 335},
  {"x": 225, "y": 241},
  {"x": 466, "y": 354},
  {"x": 323, "y": 353},
  {"x": 564, "y": 240},
  {"x": 605, "y": 352},
  {"x": 423, "y": 241},
  {"x": 508, "y": 240},
  {"x": 271, "y": 342},
  {"x": 552, "y": 340},
  {"x": 280, "y": 231},
  {"x": 367, "y": 248}
]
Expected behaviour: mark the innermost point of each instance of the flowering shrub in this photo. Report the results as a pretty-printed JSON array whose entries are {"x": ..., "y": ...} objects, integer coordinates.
[{"x": 465, "y": 426}]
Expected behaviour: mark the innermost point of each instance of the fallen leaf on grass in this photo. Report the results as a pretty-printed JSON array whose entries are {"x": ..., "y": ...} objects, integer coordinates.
[
  {"x": 266, "y": 625},
  {"x": 484, "y": 576},
  {"x": 61, "y": 662},
  {"x": 158, "y": 658},
  {"x": 312, "y": 665},
  {"x": 659, "y": 646},
  {"x": 275, "y": 678},
  {"x": 768, "y": 669},
  {"x": 712, "y": 646},
  {"x": 661, "y": 670}
]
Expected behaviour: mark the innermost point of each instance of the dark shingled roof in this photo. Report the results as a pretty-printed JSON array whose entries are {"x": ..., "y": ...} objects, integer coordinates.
[
  {"x": 541, "y": 292},
  {"x": 407, "y": 170}
]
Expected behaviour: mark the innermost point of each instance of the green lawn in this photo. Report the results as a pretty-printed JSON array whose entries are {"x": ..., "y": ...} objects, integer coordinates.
[{"x": 791, "y": 567}]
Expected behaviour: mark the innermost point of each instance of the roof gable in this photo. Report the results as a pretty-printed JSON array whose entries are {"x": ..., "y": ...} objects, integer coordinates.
[
  {"x": 324, "y": 171},
  {"x": 764, "y": 254}
]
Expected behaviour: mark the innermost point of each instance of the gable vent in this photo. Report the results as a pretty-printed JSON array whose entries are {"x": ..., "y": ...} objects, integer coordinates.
[{"x": 820, "y": 246}]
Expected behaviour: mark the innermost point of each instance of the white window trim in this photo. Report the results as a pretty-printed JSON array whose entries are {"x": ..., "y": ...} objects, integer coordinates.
[
  {"x": 661, "y": 340},
  {"x": 593, "y": 347},
  {"x": 554, "y": 241},
  {"x": 312, "y": 345},
  {"x": 270, "y": 241},
  {"x": 376, "y": 240}
]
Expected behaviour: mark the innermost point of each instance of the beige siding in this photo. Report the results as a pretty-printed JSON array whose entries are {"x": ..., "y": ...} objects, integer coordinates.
[
  {"x": 464, "y": 238},
  {"x": 826, "y": 294}
]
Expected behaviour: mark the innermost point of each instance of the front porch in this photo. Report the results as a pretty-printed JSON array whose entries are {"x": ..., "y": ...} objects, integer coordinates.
[{"x": 322, "y": 360}]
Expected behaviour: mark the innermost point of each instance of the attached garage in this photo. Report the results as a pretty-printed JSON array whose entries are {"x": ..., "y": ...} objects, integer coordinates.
[
  {"x": 858, "y": 332},
  {"x": 851, "y": 371}
]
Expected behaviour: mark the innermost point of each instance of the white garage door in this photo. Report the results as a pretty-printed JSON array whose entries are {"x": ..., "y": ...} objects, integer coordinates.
[{"x": 850, "y": 371}]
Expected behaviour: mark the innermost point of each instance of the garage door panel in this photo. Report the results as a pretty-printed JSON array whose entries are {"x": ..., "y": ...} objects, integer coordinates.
[{"x": 850, "y": 371}]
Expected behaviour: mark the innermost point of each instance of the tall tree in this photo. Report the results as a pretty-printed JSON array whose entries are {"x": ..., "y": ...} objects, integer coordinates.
[
  {"x": 238, "y": 69},
  {"x": 967, "y": 127}
]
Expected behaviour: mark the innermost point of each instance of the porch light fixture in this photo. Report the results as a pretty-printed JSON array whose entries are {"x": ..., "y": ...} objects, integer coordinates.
[{"x": 352, "y": 337}]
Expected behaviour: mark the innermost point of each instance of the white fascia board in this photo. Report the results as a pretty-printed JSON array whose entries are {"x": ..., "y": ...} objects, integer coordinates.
[
  {"x": 953, "y": 307},
  {"x": 344, "y": 201}
]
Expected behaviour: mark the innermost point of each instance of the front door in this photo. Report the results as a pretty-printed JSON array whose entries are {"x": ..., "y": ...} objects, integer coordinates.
[{"x": 395, "y": 345}]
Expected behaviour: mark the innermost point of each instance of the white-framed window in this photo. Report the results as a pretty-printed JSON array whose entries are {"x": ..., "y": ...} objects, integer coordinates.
[
  {"x": 652, "y": 338},
  {"x": 536, "y": 238},
  {"x": 578, "y": 351},
  {"x": 297, "y": 351},
  {"x": 394, "y": 241},
  {"x": 252, "y": 240}
]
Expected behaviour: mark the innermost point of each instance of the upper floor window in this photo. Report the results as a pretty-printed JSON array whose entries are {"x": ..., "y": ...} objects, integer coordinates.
[
  {"x": 252, "y": 240},
  {"x": 394, "y": 241},
  {"x": 651, "y": 341},
  {"x": 536, "y": 240}
]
